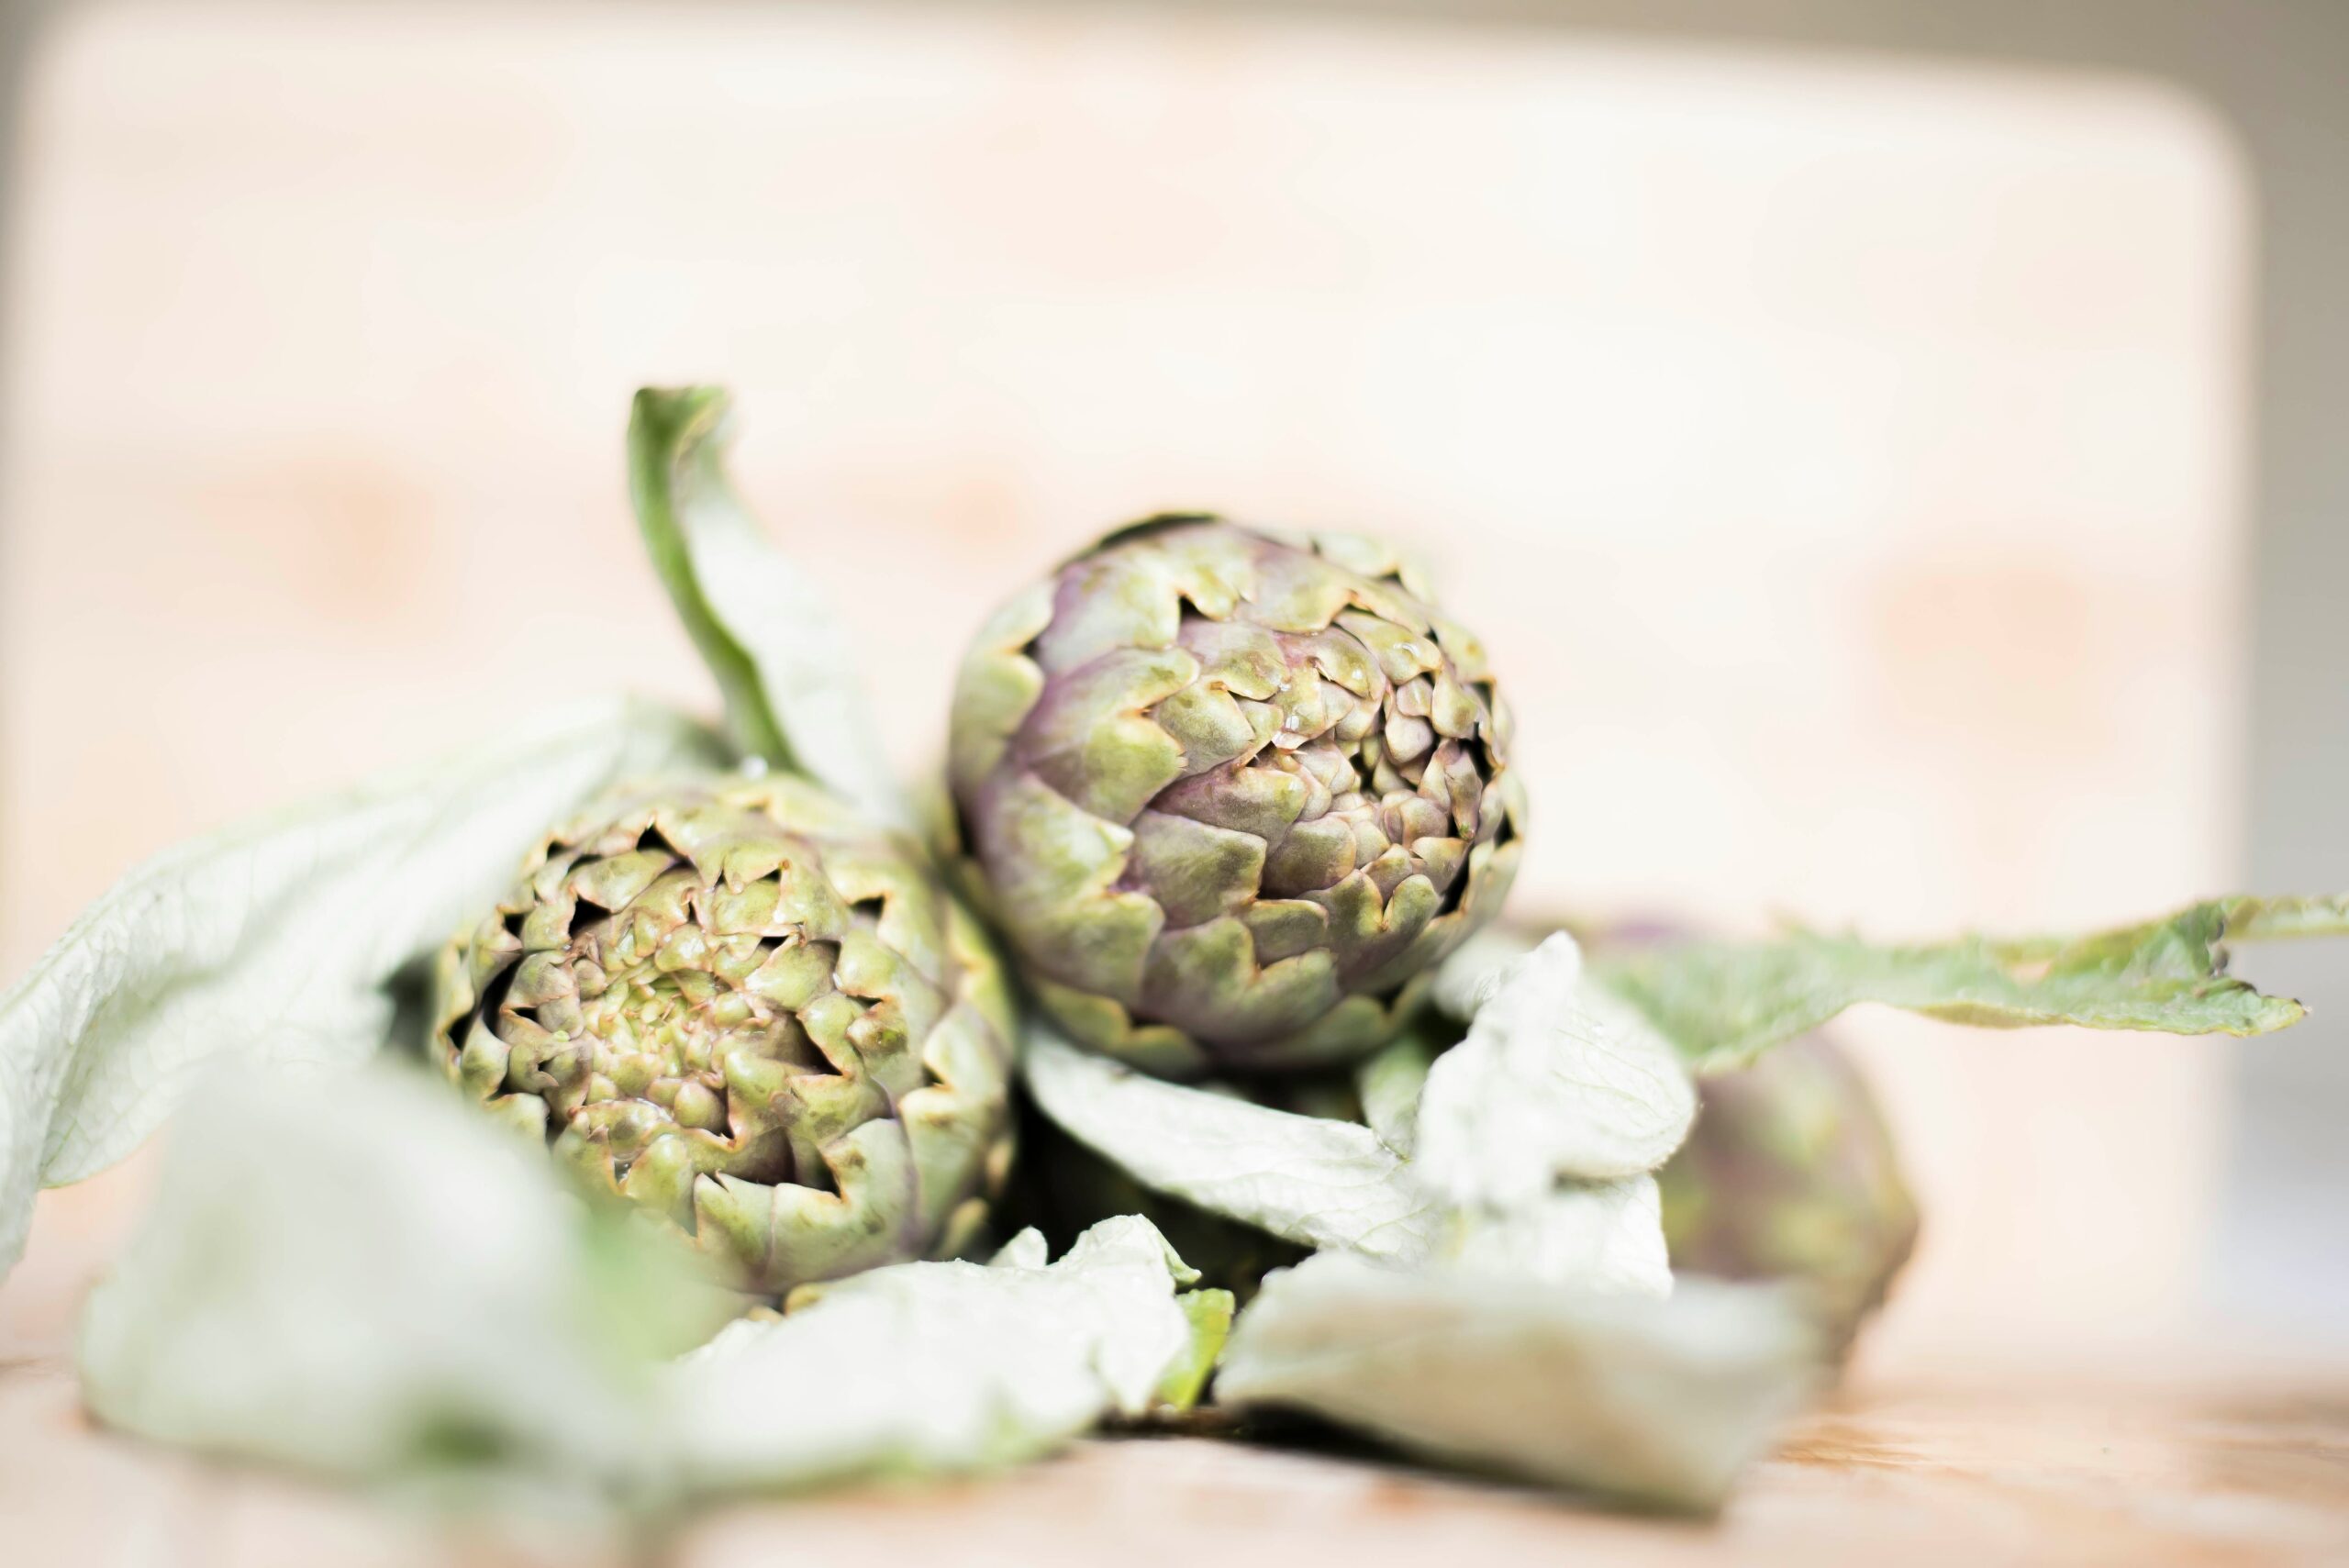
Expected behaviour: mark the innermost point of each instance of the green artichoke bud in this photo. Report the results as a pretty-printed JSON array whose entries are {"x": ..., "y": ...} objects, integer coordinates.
[
  {"x": 1789, "y": 1174},
  {"x": 745, "y": 1009},
  {"x": 1232, "y": 794}
]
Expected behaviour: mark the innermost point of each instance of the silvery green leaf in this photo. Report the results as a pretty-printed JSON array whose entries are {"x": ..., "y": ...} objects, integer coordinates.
[
  {"x": 1026, "y": 1249},
  {"x": 933, "y": 1368},
  {"x": 1389, "y": 1086},
  {"x": 362, "y": 1276},
  {"x": 767, "y": 631},
  {"x": 1597, "y": 1236},
  {"x": 1312, "y": 1180},
  {"x": 1463, "y": 980},
  {"x": 1555, "y": 1079},
  {"x": 1332, "y": 1184},
  {"x": 1721, "y": 1004},
  {"x": 268, "y": 944},
  {"x": 1657, "y": 1402}
]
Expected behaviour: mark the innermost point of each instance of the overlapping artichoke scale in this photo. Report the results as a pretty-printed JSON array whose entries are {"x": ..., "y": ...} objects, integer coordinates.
[{"x": 789, "y": 1233}]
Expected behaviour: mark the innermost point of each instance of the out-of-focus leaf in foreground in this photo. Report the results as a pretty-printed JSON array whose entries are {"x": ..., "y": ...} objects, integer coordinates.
[
  {"x": 268, "y": 944},
  {"x": 1659, "y": 1403},
  {"x": 1721, "y": 1004},
  {"x": 767, "y": 631},
  {"x": 364, "y": 1277},
  {"x": 935, "y": 1368},
  {"x": 1556, "y": 1079}
]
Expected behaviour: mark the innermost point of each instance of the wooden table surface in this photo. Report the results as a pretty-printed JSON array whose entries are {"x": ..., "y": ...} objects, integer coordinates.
[
  {"x": 1957, "y": 1472},
  {"x": 2184, "y": 1457}
]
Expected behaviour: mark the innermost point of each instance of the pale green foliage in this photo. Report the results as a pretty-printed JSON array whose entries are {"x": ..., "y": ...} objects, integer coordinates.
[
  {"x": 268, "y": 944},
  {"x": 366, "y": 1278},
  {"x": 1556, "y": 1078},
  {"x": 1312, "y": 1180},
  {"x": 1389, "y": 1084},
  {"x": 1722, "y": 1003},
  {"x": 766, "y": 630},
  {"x": 1480, "y": 1295},
  {"x": 934, "y": 1368},
  {"x": 1337, "y": 1185},
  {"x": 1660, "y": 1402},
  {"x": 1599, "y": 1235}
]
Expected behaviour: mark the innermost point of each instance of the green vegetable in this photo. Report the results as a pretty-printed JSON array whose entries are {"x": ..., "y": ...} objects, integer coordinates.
[
  {"x": 1231, "y": 793},
  {"x": 747, "y": 1009}
]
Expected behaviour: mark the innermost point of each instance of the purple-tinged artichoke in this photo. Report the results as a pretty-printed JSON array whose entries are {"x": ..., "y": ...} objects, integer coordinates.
[
  {"x": 745, "y": 1007},
  {"x": 1790, "y": 1175},
  {"x": 1231, "y": 793}
]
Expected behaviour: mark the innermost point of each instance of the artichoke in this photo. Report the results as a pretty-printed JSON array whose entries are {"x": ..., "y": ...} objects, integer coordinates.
[
  {"x": 1231, "y": 793},
  {"x": 1790, "y": 1175},
  {"x": 742, "y": 1006}
]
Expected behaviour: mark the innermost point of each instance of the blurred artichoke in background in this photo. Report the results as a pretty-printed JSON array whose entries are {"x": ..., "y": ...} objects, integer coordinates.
[
  {"x": 1232, "y": 794},
  {"x": 1790, "y": 1175},
  {"x": 747, "y": 1009}
]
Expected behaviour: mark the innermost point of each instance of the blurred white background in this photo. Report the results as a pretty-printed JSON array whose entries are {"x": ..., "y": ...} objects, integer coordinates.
[{"x": 1847, "y": 457}]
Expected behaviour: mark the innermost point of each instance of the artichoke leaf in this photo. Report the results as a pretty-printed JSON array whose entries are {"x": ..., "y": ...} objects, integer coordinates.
[
  {"x": 364, "y": 1278},
  {"x": 1594, "y": 1236},
  {"x": 1721, "y": 1004},
  {"x": 783, "y": 664},
  {"x": 270, "y": 944},
  {"x": 1388, "y": 1085},
  {"x": 1556, "y": 1079},
  {"x": 1659, "y": 1403},
  {"x": 1336, "y": 1185},
  {"x": 940, "y": 1368},
  {"x": 1315, "y": 1180}
]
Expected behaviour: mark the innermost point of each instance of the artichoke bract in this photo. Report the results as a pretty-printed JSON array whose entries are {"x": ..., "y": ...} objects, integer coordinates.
[
  {"x": 742, "y": 1006},
  {"x": 1231, "y": 793}
]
